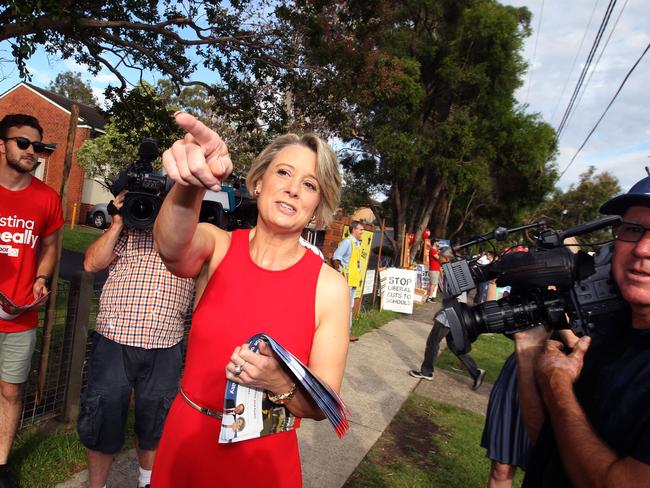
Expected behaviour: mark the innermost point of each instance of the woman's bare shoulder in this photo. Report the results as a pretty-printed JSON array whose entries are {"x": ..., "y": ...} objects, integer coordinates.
[{"x": 331, "y": 282}]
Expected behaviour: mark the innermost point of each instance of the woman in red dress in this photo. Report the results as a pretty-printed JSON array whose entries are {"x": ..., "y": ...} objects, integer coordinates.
[{"x": 249, "y": 281}]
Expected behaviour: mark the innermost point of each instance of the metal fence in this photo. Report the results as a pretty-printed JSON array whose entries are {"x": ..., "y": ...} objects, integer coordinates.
[
  {"x": 58, "y": 372},
  {"x": 76, "y": 311}
]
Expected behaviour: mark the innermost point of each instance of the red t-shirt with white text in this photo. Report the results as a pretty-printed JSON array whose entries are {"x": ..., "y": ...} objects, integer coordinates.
[
  {"x": 26, "y": 217},
  {"x": 434, "y": 264}
]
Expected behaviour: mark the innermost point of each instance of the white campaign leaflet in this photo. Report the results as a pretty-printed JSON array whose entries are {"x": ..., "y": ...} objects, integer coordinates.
[
  {"x": 398, "y": 289},
  {"x": 370, "y": 281}
]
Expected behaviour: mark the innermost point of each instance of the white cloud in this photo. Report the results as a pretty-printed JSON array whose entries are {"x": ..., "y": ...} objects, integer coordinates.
[
  {"x": 621, "y": 144},
  {"x": 40, "y": 76}
]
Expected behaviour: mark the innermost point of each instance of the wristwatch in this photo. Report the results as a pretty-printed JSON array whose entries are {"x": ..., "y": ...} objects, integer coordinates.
[
  {"x": 45, "y": 278},
  {"x": 282, "y": 398}
]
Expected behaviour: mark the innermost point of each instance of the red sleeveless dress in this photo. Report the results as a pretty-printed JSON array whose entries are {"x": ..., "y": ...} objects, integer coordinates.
[{"x": 240, "y": 300}]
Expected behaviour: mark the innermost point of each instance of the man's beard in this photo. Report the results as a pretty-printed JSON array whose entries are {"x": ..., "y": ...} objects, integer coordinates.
[{"x": 22, "y": 168}]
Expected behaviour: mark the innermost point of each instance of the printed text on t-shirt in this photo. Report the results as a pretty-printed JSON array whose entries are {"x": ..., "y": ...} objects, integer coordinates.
[{"x": 24, "y": 234}]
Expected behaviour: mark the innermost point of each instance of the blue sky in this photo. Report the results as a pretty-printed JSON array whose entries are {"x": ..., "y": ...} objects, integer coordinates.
[{"x": 620, "y": 145}]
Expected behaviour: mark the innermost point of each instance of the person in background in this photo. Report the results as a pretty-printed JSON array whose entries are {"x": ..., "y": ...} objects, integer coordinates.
[
  {"x": 439, "y": 331},
  {"x": 31, "y": 221},
  {"x": 308, "y": 245},
  {"x": 136, "y": 347},
  {"x": 347, "y": 260},
  {"x": 434, "y": 271},
  {"x": 482, "y": 290}
]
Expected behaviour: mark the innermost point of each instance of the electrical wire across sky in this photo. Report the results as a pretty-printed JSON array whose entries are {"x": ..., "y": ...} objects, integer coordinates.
[{"x": 611, "y": 102}]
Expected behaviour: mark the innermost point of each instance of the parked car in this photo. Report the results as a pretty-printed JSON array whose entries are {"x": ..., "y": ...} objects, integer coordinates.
[{"x": 98, "y": 216}]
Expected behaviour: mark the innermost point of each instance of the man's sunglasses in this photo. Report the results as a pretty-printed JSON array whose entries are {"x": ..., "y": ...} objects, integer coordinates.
[
  {"x": 23, "y": 143},
  {"x": 629, "y": 231}
]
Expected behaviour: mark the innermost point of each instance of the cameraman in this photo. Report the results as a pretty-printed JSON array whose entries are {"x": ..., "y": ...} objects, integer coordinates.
[
  {"x": 588, "y": 412},
  {"x": 136, "y": 346}
]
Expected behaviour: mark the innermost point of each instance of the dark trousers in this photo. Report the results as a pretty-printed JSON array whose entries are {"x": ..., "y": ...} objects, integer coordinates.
[{"x": 438, "y": 332}]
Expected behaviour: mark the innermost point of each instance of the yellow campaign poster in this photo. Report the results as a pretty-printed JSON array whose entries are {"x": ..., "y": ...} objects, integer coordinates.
[{"x": 365, "y": 248}]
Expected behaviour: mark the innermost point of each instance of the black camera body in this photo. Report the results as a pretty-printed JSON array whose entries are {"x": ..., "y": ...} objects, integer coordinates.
[
  {"x": 142, "y": 180},
  {"x": 146, "y": 188},
  {"x": 239, "y": 211},
  {"x": 549, "y": 284}
]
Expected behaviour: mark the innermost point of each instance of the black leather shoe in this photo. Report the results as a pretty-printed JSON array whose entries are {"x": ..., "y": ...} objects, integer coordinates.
[{"x": 7, "y": 481}]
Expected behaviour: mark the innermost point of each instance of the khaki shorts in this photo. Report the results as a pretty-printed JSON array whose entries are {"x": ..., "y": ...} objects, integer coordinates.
[
  {"x": 16, "y": 349},
  {"x": 434, "y": 278}
]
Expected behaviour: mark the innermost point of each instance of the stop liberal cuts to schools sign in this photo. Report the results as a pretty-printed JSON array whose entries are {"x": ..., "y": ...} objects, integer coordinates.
[{"x": 398, "y": 288}]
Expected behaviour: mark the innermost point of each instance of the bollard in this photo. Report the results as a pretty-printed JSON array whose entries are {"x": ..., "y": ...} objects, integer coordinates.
[{"x": 74, "y": 216}]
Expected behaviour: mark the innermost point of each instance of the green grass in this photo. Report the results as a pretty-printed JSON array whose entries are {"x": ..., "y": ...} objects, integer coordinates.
[
  {"x": 489, "y": 351},
  {"x": 427, "y": 445},
  {"x": 79, "y": 238},
  {"x": 364, "y": 322},
  {"x": 43, "y": 458}
]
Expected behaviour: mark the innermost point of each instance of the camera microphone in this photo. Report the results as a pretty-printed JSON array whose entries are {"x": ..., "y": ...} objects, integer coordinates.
[
  {"x": 148, "y": 150},
  {"x": 589, "y": 226}
]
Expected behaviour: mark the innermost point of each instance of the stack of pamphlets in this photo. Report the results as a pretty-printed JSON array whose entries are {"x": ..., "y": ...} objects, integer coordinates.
[
  {"x": 248, "y": 413},
  {"x": 9, "y": 310}
]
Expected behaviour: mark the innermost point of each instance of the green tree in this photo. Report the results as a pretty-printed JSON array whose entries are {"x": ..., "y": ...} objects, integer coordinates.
[
  {"x": 579, "y": 203},
  {"x": 167, "y": 37},
  {"x": 141, "y": 113},
  {"x": 146, "y": 111},
  {"x": 103, "y": 157},
  {"x": 425, "y": 95},
  {"x": 244, "y": 142},
  {"x": 70, "y": 85}
]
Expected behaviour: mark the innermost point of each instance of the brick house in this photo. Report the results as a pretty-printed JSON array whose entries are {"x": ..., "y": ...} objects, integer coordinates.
[{"x": 53, "y": 113}]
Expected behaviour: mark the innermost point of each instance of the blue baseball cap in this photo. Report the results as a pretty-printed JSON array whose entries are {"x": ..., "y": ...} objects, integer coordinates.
[{"x": 639, "y": 194}]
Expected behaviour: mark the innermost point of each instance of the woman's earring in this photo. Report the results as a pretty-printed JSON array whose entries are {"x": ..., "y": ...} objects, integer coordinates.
[
  {"x": 313, "y": 219},
  {"x": 257, "y": 192}
]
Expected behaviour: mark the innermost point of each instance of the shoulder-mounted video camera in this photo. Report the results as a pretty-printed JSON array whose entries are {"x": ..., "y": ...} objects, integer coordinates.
[
  {"x": 146, "y": 188},
  {"x": 549, "y": 285}
]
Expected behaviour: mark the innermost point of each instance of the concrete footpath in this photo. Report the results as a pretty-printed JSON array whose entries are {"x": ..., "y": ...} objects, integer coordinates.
[{"x": 375, "y": 386}]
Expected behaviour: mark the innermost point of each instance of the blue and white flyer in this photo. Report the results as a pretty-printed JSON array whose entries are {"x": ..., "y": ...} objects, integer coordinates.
[{"x": 249, "y": 414}]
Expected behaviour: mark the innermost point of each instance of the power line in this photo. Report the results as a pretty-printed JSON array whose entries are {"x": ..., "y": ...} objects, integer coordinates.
[
  {"x": 606, "y": 109},
  {"x": 590, "y": 57},
  {"x": 591, "y": 74},
  {"x": 575, "y": 59},
  {"x": 532, "y": 64}
]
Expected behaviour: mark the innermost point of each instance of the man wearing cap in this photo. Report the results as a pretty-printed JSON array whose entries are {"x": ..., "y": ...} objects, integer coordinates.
[{"x": 596, "y": 431}]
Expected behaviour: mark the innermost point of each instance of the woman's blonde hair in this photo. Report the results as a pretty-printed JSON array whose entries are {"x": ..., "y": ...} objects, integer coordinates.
[{"x": 327, "y": 171}]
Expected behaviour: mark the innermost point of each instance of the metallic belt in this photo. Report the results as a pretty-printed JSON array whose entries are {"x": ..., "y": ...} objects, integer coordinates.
[{"x": 203, "y": 410}]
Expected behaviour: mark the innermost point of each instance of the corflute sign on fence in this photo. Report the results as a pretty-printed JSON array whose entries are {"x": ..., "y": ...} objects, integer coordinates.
[{"x": 397, "y": 289}]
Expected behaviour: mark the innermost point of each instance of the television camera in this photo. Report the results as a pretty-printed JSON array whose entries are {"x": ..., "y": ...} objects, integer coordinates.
[
  {"x": 146, "y": 188},
  {"x": 549, "y": 285}
]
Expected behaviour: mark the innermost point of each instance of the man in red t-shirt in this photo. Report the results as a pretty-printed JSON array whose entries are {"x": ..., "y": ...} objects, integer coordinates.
[
  {"x": 30, "y": 222},
  {"x": 434, "y": 271}
]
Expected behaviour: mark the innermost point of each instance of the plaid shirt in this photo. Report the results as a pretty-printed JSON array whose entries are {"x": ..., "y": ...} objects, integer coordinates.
[{"x": 142, "y": 303}]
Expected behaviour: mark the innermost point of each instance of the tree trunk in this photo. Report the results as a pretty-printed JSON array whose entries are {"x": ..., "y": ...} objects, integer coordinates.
[
  {"x": 440, "y": 214},
  {"x": 425, "y": 216},
  {"x": 50, "y": 311}
]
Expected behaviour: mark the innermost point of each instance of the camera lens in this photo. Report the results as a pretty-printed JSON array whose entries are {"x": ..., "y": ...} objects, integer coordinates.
[{"x": 142, "y": 209}]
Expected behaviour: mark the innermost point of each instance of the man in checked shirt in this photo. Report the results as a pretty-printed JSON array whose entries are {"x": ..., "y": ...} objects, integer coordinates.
[{"x": 136, "y": 346}]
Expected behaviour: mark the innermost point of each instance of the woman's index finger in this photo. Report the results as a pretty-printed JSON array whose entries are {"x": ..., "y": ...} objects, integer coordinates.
[{"x": 202, "y": 134}]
